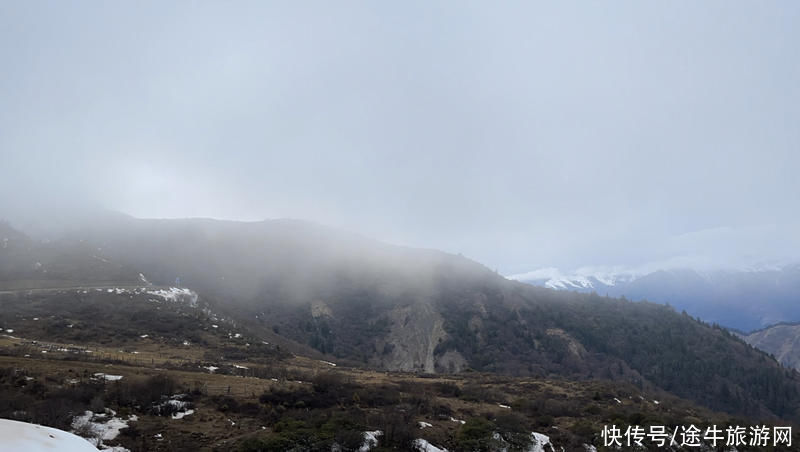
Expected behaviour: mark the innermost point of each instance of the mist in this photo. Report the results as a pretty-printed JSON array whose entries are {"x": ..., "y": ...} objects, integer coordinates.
[{"x": 520, "y": 135}]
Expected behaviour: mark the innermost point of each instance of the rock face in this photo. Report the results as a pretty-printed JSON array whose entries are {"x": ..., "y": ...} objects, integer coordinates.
[
  {"x": 782, "y": 341},
  {"x": 415, "y": 332}
]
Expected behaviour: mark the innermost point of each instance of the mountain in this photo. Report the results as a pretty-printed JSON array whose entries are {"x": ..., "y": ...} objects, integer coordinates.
[
  {"x": 781, "y": 340},
  {"x": 365, "y": 303},
  {"x": 744, "y": 299}
]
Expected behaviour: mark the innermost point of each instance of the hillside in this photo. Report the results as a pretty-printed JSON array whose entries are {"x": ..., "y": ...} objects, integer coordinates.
[
  {"x": 782, "y": 341},
  {"x": 368, "y": 304},
  {"x": 155, "y": 369}
]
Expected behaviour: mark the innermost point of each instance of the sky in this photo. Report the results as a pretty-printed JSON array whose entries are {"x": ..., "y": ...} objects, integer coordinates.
[{"x": 520, "y": 134}]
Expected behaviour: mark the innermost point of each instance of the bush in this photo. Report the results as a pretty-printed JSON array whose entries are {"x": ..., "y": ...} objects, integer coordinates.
[
  {"x": 448, "y": 389},
  {"x": 476, "y": 435},
  {"x": 514, "y": 430}
]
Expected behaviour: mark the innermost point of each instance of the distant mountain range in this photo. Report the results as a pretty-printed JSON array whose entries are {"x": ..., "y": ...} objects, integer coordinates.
[{"x": 741, "y": 299}]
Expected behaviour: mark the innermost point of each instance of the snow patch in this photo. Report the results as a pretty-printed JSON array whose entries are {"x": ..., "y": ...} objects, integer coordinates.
[
  {"x": 22, "y": 436},
  {"x": 425, "y": 446},
  {"x": 370, "y": 440},
  {"x": 182, "y": 414},
  {"x": 175, "y": 405},
  {"x": 108, "y": 377},
  {"x": 539, "y": 442},
  {"x": 101, "y": 426},
  {"x": 175, "y": 294}
]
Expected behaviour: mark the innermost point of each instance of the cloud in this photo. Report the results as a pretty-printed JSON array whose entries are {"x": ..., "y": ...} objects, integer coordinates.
[{"x": 521, "y": 135}]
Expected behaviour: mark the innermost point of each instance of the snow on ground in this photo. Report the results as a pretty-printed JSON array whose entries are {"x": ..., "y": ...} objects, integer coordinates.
[
  {"x": 425, "y": 446},
  {"x": 211, "y": 369},
  {"x": 175, "y": 405},
  {"x": 370, "y": 440},
  {"x": 326, "y": 362},
  {"x": 504, "y": 406},
  {"x": 539, "y": 442},
  {"x": 182, "y": 414},
  {"x": 100, "y": 427},
  {"x": 424, "y": 424},
  {"x": 240, "y": 367},
  {"x": 617, "y": 400},
  {"x": 22, "y": 436},
  {"x": 457, "y": 420},
  {"x": 175, "y": 294},
  {"x": 108, "y": 377}
]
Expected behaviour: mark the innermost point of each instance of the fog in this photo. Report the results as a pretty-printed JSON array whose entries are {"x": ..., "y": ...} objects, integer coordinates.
[{"x": 522, "y": 135}]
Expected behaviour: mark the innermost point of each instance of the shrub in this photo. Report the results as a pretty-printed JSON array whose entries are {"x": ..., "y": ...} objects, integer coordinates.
[{"x": 476, "y": 435}]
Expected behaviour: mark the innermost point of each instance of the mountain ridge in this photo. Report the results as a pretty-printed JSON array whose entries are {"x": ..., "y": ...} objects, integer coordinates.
[{"x": 380, "y": 306}]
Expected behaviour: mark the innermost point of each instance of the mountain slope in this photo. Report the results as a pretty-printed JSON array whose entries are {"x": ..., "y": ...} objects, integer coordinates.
[
  {"x": 388, "y": 307},
  {"x": 781, "y": 341}
]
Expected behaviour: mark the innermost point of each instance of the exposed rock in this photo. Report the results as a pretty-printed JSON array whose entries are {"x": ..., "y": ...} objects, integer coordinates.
[{"x": 415, "y": 333}]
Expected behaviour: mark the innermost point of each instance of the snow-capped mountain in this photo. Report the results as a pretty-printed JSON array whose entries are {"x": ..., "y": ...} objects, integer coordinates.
[
  {"x": 581, "y": 279},
  {"x": 745, "y": 298}
]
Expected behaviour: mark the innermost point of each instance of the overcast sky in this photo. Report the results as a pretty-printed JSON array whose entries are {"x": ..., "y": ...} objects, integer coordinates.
[{"x": 523, "y": 135}]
